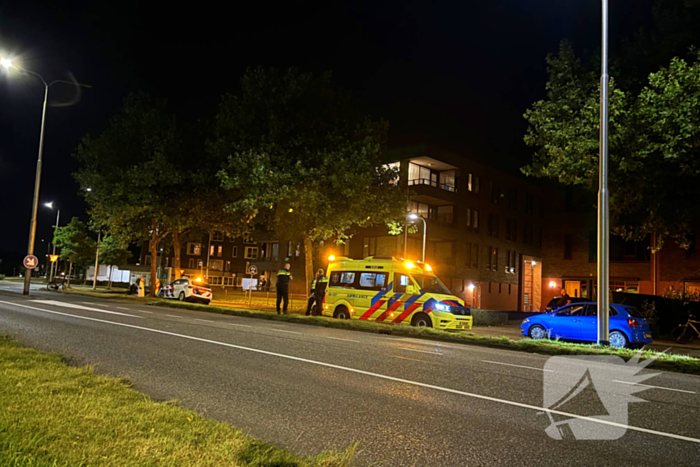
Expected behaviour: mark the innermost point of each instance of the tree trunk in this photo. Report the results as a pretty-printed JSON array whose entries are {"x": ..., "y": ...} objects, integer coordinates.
[
  {"x": 177, "y": 247},
  {"x": 109, "y": 284},
  {"x": 153, "y": 246},
  {"x": 70, "y": 271},
  {"x": 309, "y": 261}
]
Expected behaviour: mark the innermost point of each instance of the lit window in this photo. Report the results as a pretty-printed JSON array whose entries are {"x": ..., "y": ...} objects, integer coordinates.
[{"x": 251, "y": 252}]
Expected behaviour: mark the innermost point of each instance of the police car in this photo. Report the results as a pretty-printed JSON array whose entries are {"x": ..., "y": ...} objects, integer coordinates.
[{"x": 186, "y": 289}]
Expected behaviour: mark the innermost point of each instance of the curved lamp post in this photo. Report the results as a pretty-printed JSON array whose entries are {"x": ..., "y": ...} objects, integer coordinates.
[{"x": 7, "y": 64}]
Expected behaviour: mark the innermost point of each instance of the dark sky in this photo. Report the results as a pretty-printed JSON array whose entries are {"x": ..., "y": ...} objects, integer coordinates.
[{"x": 461, "y": 72}]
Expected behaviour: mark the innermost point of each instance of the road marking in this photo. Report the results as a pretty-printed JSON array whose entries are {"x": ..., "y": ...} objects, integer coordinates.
[
  {"x": 173, "y": 316},
  {"x": 282, "y": 330},
  {"x": 519, "y": 366},
  {"x": 421, "y": 351},
  {"x": 205, "y": 320},
  {"x": 376, "y": 375},
  {"x": 655, "y": 387},
  {"x": 405, "y": 358},
  {"x": 81, "y": 307},
  {"x": 341, "y": 339},
  {"x": 122, "y": 308},
  {"x": 239, "y": 325}
]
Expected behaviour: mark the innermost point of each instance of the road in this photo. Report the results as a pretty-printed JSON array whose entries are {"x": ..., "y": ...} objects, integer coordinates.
[{"x": 407, "y": 402}]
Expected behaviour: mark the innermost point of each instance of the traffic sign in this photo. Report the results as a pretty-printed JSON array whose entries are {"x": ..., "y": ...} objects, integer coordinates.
[
  {"x": 53, "y": 258},
  {"x": 253, "y": 270},
  {"x": 31, "y": 261}
]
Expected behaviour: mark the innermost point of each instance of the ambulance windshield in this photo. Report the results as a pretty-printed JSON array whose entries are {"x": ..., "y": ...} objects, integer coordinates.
[{"x": 430, "y": 284}]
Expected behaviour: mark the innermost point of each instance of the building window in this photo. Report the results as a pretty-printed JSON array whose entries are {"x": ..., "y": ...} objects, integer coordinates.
[
  {"x": 215, "y": 280},
  {"x": 493, "y": 225},
  {"x": 476, "y": 185},
  {"x": 529, "y": 203},
  {"x": 475, "y": 256},
  {"x": 212, "y": 248},
  {"x": 234, "y": 252},
  {"x": 511, "y": 229},
  {"x": 422, "y": 209},
  {"x": 216, "y": 265},
  {"x": 470, "y": 183},
  {"x": 568, "y": 239},
  {"x": 228, "y": 280},
  {"x": 218, "y": 237},
  {"x": 190, "y": 264},
  {"x": 447, "y": 180},
  {"x": 513, "y": 199},
  {"x": 445, "y": 214},
  {"x": 220, "y": 250},
  {"x": 194, "y": 249},
  {"x": 495, "y": 259},
  {"x": 475, "y": 219},
  {"x": 527, "y": 234},
  {"x": 251, "y": 252},
  {"x": 495, "y": 192},
  {"x": 469, "y": 217},
  {"x": 510, "y": 261},
  {"x": 228, "y": 266}
]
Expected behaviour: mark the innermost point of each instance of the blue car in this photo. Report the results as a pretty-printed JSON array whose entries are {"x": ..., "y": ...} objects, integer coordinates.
[{"x": 579, "y": 322}]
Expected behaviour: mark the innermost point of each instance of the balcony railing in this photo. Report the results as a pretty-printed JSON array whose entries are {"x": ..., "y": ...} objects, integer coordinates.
[{"x": 426, "y": 181}]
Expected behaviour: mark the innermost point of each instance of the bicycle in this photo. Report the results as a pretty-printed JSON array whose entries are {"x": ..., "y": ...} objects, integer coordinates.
[
  {"x": 56, "y": 286},
  {"x": 685, "y": 333}
]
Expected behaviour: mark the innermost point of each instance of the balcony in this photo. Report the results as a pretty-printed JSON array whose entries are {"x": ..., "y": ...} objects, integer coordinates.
[{"x": 424, "y": 181}]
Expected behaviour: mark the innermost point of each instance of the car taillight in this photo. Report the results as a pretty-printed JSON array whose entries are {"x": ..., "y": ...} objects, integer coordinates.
[{"x": 632, "y": 322}]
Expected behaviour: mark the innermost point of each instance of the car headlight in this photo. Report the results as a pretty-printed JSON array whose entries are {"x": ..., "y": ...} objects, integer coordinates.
[
  {"x": 441, "y": 307},
  {"x": 526, "y": 320}
]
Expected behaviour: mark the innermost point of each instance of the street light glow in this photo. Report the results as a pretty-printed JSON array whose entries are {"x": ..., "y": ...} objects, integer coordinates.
[
  {"x": 413, "y": 216},
  {"x": 49, "y": 205},
  {"x": 88, "y": 189},
  {"x": 6, "y": 62}
]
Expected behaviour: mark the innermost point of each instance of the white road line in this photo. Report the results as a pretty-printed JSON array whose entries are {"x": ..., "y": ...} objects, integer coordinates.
[
  {"x": 341, "y": 339},
  {"x": 205, "y": 320},
  {"x": 239, "y": 325},
  {"x": 144, "y": 311},
  {"x": 378, "y": 375},
  {"x": 75, "y": 306},
  {"x": 518, "y": 366},
  {"x": 421, "y": 351},
  {"x": 282, "y": 330},
  {"x": 655, "y": 387},
  {"x": 173, "y": 316},
  {"x": 122, "y": 308}
]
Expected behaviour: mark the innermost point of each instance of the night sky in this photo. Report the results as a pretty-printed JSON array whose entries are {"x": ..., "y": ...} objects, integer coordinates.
[{"x": 459, "y": 72}]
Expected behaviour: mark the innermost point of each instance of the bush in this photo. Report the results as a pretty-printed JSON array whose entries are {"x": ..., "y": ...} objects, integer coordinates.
[
  {"x": 484, "y": 318},
  {"x": 2, "y": 276}
]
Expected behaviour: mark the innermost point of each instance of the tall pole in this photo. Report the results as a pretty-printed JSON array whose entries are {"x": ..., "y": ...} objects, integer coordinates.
[
  {"x": 425, "y": 234},
  {"x": 97, "y": 261},
  {"x": 35, "y": 201},
  {"x": 55, "y": 227},
  {"x": 603, "y": 195},
  {"x": 405, "y": 241}
]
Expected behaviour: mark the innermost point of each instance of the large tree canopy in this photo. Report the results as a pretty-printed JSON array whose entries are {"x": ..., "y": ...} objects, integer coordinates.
[
  {"x": 74, "y": 243},
  {"x": 302, "y": 157},
  {"x": 654, "y": 143}
]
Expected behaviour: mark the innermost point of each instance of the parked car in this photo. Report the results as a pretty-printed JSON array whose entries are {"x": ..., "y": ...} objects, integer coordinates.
[
  {"x": 552, "y": 305},
  {"x": 579, "y": 322},
  {"x": 186, "y": 289}
]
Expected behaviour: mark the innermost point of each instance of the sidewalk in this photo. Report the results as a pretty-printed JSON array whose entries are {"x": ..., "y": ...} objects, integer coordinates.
[{"x": 512, "y": 331}]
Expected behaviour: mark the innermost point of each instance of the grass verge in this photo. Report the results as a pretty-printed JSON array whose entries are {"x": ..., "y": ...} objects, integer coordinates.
[
  {"x": 56, "y": 415},
  {"x": 669, "y": 362}
]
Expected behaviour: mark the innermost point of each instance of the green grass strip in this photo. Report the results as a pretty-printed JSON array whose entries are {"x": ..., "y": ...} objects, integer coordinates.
[{"x": 57, "y": 415}]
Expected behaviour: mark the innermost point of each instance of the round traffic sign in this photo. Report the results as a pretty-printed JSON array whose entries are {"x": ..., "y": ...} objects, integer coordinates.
[
  {"x": 30, "y": 261},
  {"x": 253, "y": 269}
]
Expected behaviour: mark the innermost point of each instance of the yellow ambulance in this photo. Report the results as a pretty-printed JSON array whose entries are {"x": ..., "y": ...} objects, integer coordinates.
[{"x": 392, "y": 290}]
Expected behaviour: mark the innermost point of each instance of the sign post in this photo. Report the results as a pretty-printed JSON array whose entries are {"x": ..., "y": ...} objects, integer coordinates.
[{"x": 253, "y": 270}]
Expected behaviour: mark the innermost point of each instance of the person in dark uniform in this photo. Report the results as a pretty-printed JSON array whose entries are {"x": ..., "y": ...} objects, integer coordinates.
[
  {"x": 564, "y": 299},
  {"x": 320, "y": 291},
  {"x": 283, "y": 278},
  {"x": 312, "y": 291}
]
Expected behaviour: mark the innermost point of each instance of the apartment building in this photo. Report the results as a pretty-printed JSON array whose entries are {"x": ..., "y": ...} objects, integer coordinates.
[{"x": 483, "y": 234}]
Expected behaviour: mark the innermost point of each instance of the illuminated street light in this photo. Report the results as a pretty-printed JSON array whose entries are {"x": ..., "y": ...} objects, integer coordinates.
[
  {"x": 58, "y": 216},
  {"x": 414, "y": 217},
  {"x": 7, "y": 64}
]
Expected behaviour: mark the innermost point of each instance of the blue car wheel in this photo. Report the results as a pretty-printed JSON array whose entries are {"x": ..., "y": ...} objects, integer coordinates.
[
  {"x": 618, "y": 340},
  {"x": 537, "y": 332}
]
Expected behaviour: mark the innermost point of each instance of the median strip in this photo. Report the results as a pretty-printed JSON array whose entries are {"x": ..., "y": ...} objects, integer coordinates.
[{"x": 58, "y": 415}]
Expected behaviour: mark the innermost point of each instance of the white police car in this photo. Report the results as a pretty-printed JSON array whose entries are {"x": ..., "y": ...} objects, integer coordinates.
[{"x": 186, "y": 289}]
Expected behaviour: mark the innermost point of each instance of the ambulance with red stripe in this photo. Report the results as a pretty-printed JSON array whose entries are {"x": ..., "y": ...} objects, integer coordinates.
[{"x": 392, "y": 290}]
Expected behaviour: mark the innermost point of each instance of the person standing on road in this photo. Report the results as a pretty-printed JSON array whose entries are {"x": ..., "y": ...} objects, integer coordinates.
[
  {"x": 283, "y": 278},
  {"x": 312, "y": 292},
  {"x": 320, "y": 291}
]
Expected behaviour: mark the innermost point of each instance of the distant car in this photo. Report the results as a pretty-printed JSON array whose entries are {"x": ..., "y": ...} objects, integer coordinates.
[
  {"x": 552, "y": 305},
  {"x": 579, "y": 322},
  {"x": 187, "y": 290}
]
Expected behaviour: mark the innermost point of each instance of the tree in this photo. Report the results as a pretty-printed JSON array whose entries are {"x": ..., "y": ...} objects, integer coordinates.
[
  {"x": 113, "y": 252},
  {"x": 654, "y": 150},
  {"x": 136, "y": 174},
  {"x": 74, "y": 242},
  {"x": 302, "y": 159}
]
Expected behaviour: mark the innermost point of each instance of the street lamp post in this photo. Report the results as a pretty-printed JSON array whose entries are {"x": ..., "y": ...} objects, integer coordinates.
[
  {"x": 55, "y": 227},
  {"x": 7, "y": 64},
  {"x": 413, "y": 217},
  {"x": 603, "y": 194}
]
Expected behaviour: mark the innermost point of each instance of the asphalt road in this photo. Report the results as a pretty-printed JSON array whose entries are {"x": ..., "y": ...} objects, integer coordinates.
[{"x": 407, "y": 402}]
